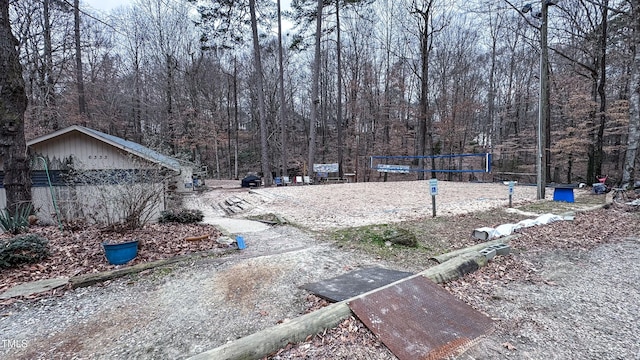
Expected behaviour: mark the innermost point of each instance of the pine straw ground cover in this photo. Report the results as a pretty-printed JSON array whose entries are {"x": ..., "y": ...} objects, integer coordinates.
[
  {"x": 80, "y": 251},
  {"x": 351, "y": 339}
]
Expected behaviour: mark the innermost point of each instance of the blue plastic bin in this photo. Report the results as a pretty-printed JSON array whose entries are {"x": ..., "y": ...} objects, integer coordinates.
[
  {"x": 563, "y": 193},
  {"x": 122, "y": 253},
  {"x": 240, "y": 241}
]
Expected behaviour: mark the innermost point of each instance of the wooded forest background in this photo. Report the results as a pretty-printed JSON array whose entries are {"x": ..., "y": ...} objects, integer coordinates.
[{"x": 217, "y": 83}]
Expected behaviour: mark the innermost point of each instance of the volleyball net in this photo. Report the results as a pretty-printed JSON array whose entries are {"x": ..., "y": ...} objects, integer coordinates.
[{"x": 452, "y": 163}]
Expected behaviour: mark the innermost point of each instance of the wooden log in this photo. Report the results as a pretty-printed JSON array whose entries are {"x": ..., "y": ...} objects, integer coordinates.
[
  {"x": 196, "y": 238},
  {"x": 444, "y": 257},
  {"x": 267, "y": 341},
  {"x": 457, "y": 267},
  {"x": 91, "y": 279},
  {"x": 262, "y": 343}
]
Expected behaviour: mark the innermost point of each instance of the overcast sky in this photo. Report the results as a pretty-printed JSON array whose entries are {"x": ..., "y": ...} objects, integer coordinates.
[
  {"x": 105, "y": 5},
  {"x": 108, "y": 5}
]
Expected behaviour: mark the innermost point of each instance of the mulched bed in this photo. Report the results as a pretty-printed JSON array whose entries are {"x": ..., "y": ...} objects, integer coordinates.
[{"x": 80, "y": 252}]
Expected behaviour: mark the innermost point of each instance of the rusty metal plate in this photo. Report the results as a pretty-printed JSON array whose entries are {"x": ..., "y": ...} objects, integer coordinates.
[
  {"x": 418, "y": 319},
  {"x": 354, "y": 283}
]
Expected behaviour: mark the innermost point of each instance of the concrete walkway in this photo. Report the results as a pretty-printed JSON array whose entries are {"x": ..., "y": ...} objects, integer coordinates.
[
  {"x": 213, "y": 216},
  {"x": 235, "y": 226}
]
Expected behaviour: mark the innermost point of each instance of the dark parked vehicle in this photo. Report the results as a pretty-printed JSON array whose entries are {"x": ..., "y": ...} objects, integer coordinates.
[{"x": 251, "y": 181}]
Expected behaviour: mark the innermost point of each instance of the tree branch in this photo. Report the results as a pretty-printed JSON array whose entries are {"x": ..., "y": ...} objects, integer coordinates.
[{"x": 581, "y": 64}]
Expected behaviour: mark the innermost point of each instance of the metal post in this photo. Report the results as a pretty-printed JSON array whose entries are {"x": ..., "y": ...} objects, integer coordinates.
[
  {"x": 511, "y": 185},
  {"x": 433, "y": 189},
  {"x": 543, "y": 109},
  {"x": 433, "y": 205}
]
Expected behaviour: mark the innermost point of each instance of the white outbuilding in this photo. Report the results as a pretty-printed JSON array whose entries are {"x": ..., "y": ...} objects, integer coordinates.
[{"x": 75, "y": 169}]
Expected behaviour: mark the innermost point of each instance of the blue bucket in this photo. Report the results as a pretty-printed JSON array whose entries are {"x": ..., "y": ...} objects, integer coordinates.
[
  {"x": 240, "y": 241},
  {"x": 121, "y": 253}
]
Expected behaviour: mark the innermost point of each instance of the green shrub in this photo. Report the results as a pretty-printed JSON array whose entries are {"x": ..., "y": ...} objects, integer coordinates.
[
  {"x": 23, "y": 249},
  {"x": 18, "y": 222},
  {"x": 379, "y": 235},
  {"x": 182, "y": 216}
]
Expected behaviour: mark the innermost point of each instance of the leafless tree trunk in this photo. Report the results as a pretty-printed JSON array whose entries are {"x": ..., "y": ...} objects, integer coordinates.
[
  {"x": 283, "y": 105},
  {"x": 315, "y": 101},
  {"x": 425, "y": 126},
  {"x": 264, "y": 146},
  {"x": 493, "y": 121},
  {"x": 13, "y": 104},
  {"x": 51, "y": 117},
  {"x": 339, "y": 124},
  {"x": 136, "y": 121},
  {"x": 599, "y": 154},
  {"x": 82, "y": 104},
  {"x": 235, "y": 115},
  {"x": 629, "y": 172},
  {"x": 229, "y": 82}
]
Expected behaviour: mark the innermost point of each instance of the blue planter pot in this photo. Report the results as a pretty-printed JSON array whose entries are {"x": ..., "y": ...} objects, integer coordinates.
[{"x": 121, "y": 253}]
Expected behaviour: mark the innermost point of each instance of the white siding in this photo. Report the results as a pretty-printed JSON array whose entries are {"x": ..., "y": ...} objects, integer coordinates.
[
  {"x": 80, "y": 203},
  {"x": 43, "y": 205},
  {"x": 88, "y": 153}
]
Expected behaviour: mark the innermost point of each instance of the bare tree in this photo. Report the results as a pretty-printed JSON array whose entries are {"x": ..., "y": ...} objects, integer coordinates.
[
  {"x": 586, "y": 26},
  {"x": 339, "y": 123},
  {"x": 315, "y": 85},
  {"x": 159, "y": 79},
  {"x": 495, "y": 32},
  {"x": 51, "y": 117},
  {"x": 425, "y": 126},
  {"x": 82, "y": 103},
  {"x": 13, "y": 104},
  {"x": 257, "y": 61},
  {"x": 629, "y": 170},
  {"x": 283, "y": 107}
]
